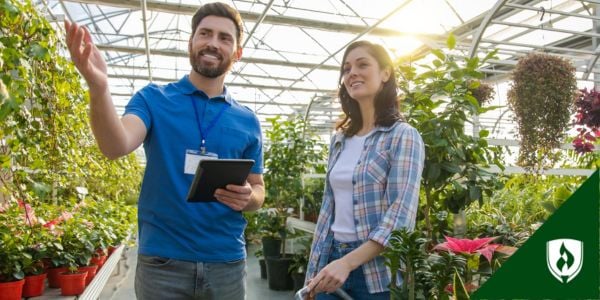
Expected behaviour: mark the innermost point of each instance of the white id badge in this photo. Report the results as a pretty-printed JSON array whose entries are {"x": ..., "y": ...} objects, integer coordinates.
[{"x": 193, "y": 158}]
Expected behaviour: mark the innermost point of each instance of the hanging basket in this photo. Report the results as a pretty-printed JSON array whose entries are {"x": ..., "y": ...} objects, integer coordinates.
[{"x": 541, "y": 97}]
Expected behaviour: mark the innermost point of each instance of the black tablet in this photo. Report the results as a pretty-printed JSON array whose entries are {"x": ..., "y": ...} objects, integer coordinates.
[{"x": 212, "y": 174}]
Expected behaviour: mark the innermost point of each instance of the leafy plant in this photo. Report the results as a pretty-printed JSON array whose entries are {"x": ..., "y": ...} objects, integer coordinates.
[
  {"x": 515, "y": 212},
  {"x": 12, "y": 243},
  {"x": 49, "y": 150},
  {"x": 313, "y": 194},
  {"x": 541, "y": 96},
  {"x": 425, "y": 274},
  {"x": 439, "y": 102},
  {"x": 293, "y": 149},
  {"x": 405, "y": 253},
  {"x": 300, "y": 258}
]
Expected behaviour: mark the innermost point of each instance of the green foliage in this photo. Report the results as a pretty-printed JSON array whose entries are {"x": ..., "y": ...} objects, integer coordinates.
[
  {"x": 439, "y": 102},
  {"x": 458, "y": 288},
  {"x": 300, "y": 258},
  {"x": 49, "y": 149},
  {"x": 313, "y": 193},
  {"x": 405, "y": 252},
  {"x": 77, "y": 243},
  {"x": 293, "y": 149},
  {"x": 541, "y": 96},
  {"x": 12, "y": 245},
  {"x": 425, "y": 274},
  {"x": 515, "y": 212}
]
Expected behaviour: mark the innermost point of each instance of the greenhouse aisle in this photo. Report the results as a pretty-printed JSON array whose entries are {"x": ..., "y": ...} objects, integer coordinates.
[{"x": 121, "y": 287}]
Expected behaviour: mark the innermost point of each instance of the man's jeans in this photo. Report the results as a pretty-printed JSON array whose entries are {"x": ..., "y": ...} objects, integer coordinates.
[
  {"x": 356, "y": 284},
  {"x": 163, "y": 278}
]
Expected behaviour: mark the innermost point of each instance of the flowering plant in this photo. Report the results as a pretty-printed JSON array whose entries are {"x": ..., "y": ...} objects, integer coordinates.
[
  {"x": 587, "y": 120},
  {"x": 469, "y": 247},
  {"x": 472, "y": 250}
]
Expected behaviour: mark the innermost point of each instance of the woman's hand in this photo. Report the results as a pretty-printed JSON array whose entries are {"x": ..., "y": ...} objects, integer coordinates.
[{"x": 330, "y": 278}]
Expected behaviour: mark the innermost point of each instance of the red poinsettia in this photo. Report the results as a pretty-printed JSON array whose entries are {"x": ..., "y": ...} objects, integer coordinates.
[{"x": 467, "y": 246}]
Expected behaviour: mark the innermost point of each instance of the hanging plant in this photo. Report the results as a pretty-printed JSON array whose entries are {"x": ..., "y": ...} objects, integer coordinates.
[
  {"x": 483, "y": 92},
  {"x": 541, "y": 97}
]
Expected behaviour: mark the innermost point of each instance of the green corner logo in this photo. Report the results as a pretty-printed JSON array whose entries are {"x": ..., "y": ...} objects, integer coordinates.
[
  {"x": 559, "y": 261},
  {"x": 562, "y": 263}
]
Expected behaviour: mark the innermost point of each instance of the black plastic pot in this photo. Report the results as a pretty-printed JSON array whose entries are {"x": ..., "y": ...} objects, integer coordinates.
[
  {"x": 263, "y": 268},
  {"x": 278, "y": 274},
  {"x": 298, "y": 281},
  {"x": 271, "y": 247}
]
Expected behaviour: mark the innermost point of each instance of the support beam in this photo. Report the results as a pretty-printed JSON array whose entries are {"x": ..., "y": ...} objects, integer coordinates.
[
  {"x": 367, "y": 30},
  {"x": 572, "y": 32},
  {"x": 550, "y": 48},
  {"x": 146, "y": 39},
  {"x": 181, "y": 53},
  {"x": 190, "y": 9},
  {"x": 550, "y": 11},
  {"x": 246, "y": 85},
  {"x": 257, "y": 23},
  {"x": 477, "y": 37},
  {"x": 235, "y": 73}
]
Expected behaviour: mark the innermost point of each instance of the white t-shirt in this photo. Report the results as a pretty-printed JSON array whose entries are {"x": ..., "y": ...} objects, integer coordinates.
[{"x": 340, "y": 179}]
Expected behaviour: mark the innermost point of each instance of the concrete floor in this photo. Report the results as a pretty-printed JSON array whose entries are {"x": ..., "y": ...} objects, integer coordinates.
[{"x": 120, "y": 285}]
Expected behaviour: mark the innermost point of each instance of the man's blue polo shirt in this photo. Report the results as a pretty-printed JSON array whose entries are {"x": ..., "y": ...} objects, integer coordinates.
[{"x": 169, "y": 226}]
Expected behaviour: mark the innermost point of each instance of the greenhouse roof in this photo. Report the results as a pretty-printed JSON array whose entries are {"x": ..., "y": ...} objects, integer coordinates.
[{"x": 292, "y": 49}]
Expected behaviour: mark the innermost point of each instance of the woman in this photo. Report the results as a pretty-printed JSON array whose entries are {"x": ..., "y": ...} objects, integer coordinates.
[{"x": 373, "y": 179}]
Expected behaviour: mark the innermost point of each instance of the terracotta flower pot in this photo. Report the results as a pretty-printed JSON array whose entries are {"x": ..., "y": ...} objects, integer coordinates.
[
  {"x": 101, "y": 252},
  {"x": 91, "y": 272},
  {"x": 98, "y": 261},
  {"x": 34, "y": 285},
  {"x": 112, "y": 249},
  {"x": 11, "y": 290},
  {"x": 53, "y": 281},
  {"x": 72, "y": 284}
]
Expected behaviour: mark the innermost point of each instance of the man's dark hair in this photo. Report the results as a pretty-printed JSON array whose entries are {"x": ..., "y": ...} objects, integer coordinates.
[
  {"x": 220, "y": 10},
  {"x": 386, "y": 101}
]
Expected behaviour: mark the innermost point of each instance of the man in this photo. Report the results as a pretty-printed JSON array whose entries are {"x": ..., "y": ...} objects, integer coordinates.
[{"x": 186, "y": 250}]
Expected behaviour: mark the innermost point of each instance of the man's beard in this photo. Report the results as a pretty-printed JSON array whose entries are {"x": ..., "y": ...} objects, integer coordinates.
[{"x": 210, "y": 71}]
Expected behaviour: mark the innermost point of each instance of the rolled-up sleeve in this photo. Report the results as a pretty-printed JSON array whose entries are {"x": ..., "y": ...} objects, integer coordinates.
[{"x": 403, "y": 183}]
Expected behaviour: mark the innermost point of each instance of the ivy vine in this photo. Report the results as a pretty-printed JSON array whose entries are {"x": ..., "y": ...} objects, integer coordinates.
[{"x": 47, "y": 146}]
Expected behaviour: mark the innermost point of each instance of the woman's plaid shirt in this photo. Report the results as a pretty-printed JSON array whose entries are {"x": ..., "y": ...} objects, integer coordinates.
[{"x": 386, "y": 184}]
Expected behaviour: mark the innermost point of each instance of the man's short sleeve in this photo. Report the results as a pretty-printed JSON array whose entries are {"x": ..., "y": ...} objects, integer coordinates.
[
  {"x": 255, "y": 151},
  {"x": 138, "y": 106}
]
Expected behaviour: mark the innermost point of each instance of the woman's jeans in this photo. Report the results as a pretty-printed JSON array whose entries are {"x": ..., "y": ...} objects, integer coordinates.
[
  {"x": 356, "y": 284},
  {"x": 163, "y": 278}
]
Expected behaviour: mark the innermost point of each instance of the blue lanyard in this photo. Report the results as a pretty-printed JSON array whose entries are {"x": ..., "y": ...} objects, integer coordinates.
[{"x": 204, "y": 133}]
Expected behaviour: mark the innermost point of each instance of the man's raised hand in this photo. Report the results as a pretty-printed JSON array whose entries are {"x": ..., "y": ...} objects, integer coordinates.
[{"x": 86, "y": 57}]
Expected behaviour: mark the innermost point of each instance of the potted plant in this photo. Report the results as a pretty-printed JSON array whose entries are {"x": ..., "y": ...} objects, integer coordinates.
[
  {"x": 293, "y": 150},
  {"x": 261, "y": 263},
  {"x": 12, "y": 252},
  {"x": 271, "y": 228},
  {"x": 313, "y": 196},
  {"x": 541, "y": 97},
  {"x": 300, "y": 262},
  {"x": 78, "y": 250},
  {"x": 33, "y": 264}
]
